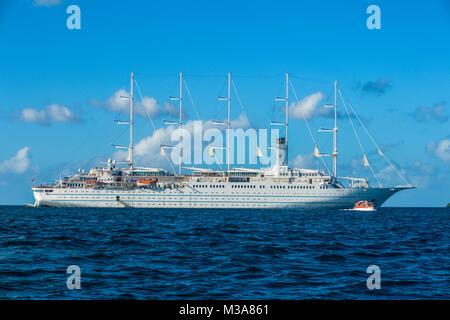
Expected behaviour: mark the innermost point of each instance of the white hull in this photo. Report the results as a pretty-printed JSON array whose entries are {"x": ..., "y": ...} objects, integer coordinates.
[
  {"x": 226, "y": 197},
  {"x": 276, "y": 187}
]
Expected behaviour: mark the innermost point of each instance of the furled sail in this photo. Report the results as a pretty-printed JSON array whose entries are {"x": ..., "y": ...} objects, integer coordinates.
[
  {"x": 366, "y": 162},
  {"x": 211, "y": 152},
  {"x": 259, "y": 153},
  {"x": 316, "y": 152}
]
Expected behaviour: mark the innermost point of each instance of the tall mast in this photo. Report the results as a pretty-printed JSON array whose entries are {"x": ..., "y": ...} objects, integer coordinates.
[
  {"x": 287, "y": 118},
  {"x": 286, "y": 123},
  {"x": 335, "y": 130},
  {"x": 228, "y": 121},
  {"x": 180, "y": 126},
  {"x": 179, "y": 123},
  {"x": 130, "y": 123},
  {"x": 130, "y": 149}
]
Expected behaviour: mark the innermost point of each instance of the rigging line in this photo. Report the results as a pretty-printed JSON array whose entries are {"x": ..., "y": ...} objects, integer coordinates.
[
  {"x": 376, "y": 145},
  {"x": 153, "y": 125},
  {"x": 240, "y": 102},
  {"x": 146, "y": 111},
  {"x": 170, "y": 162},
  {"x": 303, "y": 116},
  {"x": 264, "y": 76},
  {"x": 308, "y": 79},
  {"x": 190, "y": 98},
  {"x": 359, "y": 141},
  {"x": 309, "y": 129},
  {"x": 195, "y": 108},
  {"x": 211, "y": 146}
]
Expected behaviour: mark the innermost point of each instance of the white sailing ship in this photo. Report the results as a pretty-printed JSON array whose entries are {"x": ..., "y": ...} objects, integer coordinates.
[{"x": 282, "y": 187}]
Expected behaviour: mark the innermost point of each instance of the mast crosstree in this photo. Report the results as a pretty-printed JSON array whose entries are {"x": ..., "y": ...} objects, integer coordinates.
[
  {"x": 286, "y": 123},
  {"x": 228, "y": 123},
  {"x": 130, "y": 123}
]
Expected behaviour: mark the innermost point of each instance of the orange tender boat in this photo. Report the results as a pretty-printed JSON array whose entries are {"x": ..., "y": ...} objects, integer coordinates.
[
  {"x": 146, "y": 182},
  {"x": 364, "y": 205},
  {"x": 92, "y": 182}
]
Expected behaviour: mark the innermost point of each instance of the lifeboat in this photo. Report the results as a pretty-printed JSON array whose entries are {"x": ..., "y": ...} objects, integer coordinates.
[
  {"x": 145, "y": 183},
  {"x": 363, "y": 205},
  {"x": 92, "y": 182}
]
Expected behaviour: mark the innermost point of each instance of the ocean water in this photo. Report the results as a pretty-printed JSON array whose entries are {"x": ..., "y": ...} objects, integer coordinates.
[{"x": 224, "y": 254}]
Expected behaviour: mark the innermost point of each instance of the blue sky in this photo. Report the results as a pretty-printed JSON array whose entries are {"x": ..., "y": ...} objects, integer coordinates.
[{"x": 57, "y": 85}]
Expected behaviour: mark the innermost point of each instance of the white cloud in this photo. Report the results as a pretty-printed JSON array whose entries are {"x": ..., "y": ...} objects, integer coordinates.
[
  {"x": 303, "y": 161},
  {"x": 32, "y": 115},
  {"x": 52, "y": 113},
  {"x": 46, "y": 3},
  {"x": 389, "y": 175},
  {"x": 240, "y": 122},
  {"x": 17, "y": 164},
  {"x": 306, "y": 107},
  {"x": 60, "y": 114},
  {"x": 116, "y": 103},
  {"x": 436, "y": 112},
  {"x": 147, "y": 150},
  {"x": 423, "y": 168},
  {"x": 440, "y": 149}
]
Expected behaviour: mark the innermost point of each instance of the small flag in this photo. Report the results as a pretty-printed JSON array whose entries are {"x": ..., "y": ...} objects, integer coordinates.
[
  {"x": 380, "y": 153},
  {"x": 32, "y": 180},
  {"x": 366, "y": 162},
  {"x": 163, "y": 153}
]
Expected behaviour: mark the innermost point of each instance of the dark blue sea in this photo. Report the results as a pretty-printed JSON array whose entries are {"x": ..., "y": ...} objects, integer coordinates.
[{"x": 224, "y": 254}]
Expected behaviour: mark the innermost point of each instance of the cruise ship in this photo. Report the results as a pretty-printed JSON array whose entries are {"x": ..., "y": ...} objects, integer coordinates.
[{"x": 124, "y": 185}]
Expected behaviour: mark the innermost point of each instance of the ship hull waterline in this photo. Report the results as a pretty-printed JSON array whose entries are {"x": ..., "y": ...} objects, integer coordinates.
[{"x": 145, "y": 198}]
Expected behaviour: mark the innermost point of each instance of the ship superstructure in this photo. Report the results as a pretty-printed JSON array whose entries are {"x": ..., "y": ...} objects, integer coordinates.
[{"x": 115, "y": 186}]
